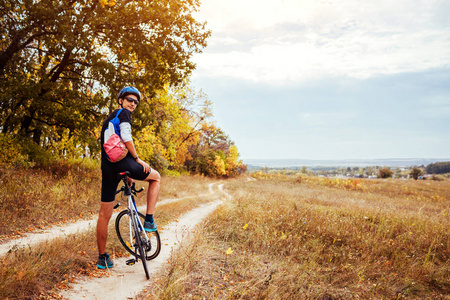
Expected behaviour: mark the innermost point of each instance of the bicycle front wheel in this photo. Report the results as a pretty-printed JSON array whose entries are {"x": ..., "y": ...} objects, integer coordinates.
[
  {"x": 152, "y": 247},
  {"x": 140, "y": 249}
]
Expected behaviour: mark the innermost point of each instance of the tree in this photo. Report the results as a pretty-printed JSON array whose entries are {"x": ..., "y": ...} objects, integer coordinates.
[
  {"x": 415, "y": 173},
  {"x": 232, "y": 162},
  {"x": 214, "y": 154},
  {"x": 438, "y": 168},
  {"x": 179, "y": 115},
  {"x": 62, "y": 63},
  {"x": 385, "y": 173}
]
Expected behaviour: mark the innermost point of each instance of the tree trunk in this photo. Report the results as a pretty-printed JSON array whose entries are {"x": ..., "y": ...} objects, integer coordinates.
[
  {"x": 26, "y": 123},
  {"x": 37, "y": 133},
  {"x": 5, "y": 56}
]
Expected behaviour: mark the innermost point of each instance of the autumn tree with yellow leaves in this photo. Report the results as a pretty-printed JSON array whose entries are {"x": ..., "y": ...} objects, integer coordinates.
[
  {"x": 62, "y": 64},
  {"x": 214, "y": 154},
  {"x": 179, "y": 114},
  {"x": 184, "y": 138}
]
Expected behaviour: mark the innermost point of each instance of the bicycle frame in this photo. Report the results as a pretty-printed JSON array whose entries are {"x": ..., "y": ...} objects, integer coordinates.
[
  {"x": 134, "y": 219},
  {"x": 130, "y": 229}
]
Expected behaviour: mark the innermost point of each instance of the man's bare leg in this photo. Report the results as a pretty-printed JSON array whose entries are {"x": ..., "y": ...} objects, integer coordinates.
[
  {"x": 106, "y": 210},
  {"x": 154, "y": 180}
]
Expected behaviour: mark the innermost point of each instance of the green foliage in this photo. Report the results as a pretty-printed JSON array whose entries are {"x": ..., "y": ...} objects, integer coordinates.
[
  {"x": 416, "y": 172},
  {"x": 438, "y": 168},
  {"x": 385, "y": 173},
  {"x": 18, "y": 150},
  {"x": 159, "y": 163},
  {"x": 63, "y": 63}
]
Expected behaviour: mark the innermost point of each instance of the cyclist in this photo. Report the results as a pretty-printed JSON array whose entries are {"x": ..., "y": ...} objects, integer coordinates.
[{"x": 128, "y": 99}]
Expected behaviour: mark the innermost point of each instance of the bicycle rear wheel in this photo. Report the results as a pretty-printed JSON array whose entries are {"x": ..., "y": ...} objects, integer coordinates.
[{"x": 152, "y": 248}]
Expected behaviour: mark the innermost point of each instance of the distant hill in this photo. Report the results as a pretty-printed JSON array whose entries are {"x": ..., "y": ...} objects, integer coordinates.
[{"x": 298, "y": 163}]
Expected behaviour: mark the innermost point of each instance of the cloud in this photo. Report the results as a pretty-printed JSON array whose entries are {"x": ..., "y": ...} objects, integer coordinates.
[
  {"x": 291, "y": 41},
  {"x": 329, "y": 79}
]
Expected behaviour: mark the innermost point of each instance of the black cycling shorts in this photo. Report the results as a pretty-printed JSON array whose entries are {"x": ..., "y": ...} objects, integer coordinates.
[{"x": 110, "y": 179}]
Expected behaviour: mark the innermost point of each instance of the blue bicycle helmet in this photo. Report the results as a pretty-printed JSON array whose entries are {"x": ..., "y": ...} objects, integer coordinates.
[{"x": 129, "y": 90}]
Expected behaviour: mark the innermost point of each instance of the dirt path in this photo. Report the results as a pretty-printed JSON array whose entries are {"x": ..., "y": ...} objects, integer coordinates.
[
  {"x": 65, "y": 230},
  {"x": 122, "y": 281},
  {"x": 125, "y": 282}
]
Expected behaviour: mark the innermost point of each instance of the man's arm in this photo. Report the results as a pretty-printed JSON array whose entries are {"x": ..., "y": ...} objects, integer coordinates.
[{"x": 132, "y": 150}]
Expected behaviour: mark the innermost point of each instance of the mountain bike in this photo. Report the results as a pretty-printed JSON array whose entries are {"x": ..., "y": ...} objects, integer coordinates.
[{"x": 141, "y": 244}]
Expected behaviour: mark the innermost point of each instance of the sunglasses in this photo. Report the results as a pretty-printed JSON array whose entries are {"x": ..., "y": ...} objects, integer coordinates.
[{"x": 132, "y": 100}]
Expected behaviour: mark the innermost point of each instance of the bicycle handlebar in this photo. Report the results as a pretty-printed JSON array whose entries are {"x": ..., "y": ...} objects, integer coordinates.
[
  {"x": 124, "y": 188},
  {"x": 132, "y": 188},
  {"x": 123, "y": 176}
]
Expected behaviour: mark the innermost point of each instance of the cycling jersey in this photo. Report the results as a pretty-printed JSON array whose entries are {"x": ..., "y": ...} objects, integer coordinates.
[{"x": 110, "y": 169}]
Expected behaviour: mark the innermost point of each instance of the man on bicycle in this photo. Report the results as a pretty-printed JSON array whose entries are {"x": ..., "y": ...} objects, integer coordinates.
[{"x": 128, "y": 99}]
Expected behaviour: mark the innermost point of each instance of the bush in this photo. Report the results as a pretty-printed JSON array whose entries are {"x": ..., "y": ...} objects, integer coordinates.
[
  {"x": 437, "y": 178},
  {"x": 415, "y": 173},
  {"x": 159, "y": 163},
  {"x": 175, "y": 173},
  {"x": 20, "y": 150},
  {"x": 385, "y": 173}
]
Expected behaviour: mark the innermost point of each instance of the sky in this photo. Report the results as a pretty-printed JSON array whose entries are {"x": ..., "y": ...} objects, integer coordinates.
[{"x": 331, "y": 79}]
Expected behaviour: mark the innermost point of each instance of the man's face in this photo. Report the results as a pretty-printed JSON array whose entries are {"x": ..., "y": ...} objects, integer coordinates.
[{"x": 129, "y": 102}]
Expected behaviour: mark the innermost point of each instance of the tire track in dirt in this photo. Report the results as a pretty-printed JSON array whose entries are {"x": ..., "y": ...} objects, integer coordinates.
[
  {"x": 31, "y": 239},
  {"x": 125, "y": 282}
]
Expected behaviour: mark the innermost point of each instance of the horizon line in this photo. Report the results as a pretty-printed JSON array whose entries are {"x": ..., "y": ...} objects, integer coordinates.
[{"x": 322, "y": 159}]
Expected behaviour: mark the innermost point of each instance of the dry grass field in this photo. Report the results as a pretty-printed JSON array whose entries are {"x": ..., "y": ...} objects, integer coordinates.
[
  {"x": 278, "y": 237},
  {"x": 289, "y": 237},
  {"x": 35, "y": 199}
]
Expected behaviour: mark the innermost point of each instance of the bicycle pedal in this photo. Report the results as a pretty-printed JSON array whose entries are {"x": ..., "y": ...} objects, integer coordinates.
[{"x": 131, "y": 262}]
